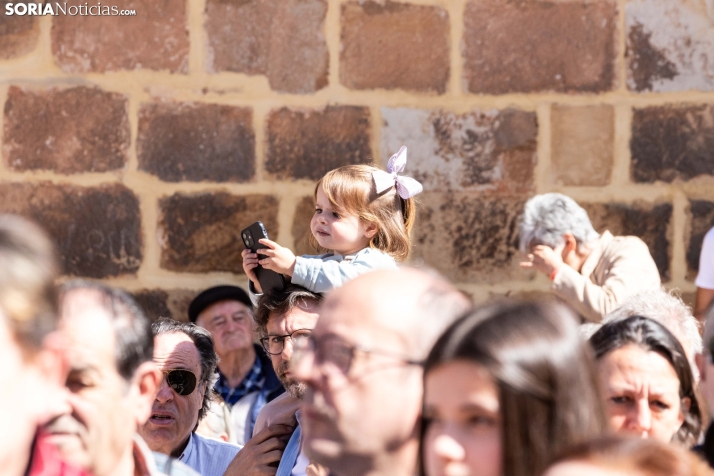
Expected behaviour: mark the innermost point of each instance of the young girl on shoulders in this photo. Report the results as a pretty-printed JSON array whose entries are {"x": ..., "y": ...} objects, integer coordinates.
[{"x": 363, "y": 216}]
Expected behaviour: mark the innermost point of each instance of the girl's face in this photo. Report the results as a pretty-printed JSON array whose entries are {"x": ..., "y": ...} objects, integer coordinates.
[
  {"x": 341, "y": 233},
  {"x": 642, "y": 391},
  {"x": 463, "y": 421}
]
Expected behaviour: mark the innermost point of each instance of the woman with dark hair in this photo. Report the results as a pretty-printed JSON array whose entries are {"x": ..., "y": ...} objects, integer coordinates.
[
  {"x": 507, "y": 387},
  {"x": 647, "y": 380}
]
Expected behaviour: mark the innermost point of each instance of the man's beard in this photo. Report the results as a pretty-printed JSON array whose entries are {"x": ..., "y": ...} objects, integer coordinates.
[{"x": 293, "y": 387}]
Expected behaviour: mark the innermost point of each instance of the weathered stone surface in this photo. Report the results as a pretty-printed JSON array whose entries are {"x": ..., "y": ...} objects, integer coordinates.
[
  {"x": 200, "y": 233},
  {"x": 72, "y": 130},
  {"x": 301, "y": 226},
  {"x": 477, "y": 151},
  {"x": 652, "y": 223},
  {"x": 394, "y": 45},
  {"x": 195, "y": 142},
  {"x": 97, "y": 230},
  {"x": 583, "y": 144},
  {"x": 282, "y": 39},
  {"x": 701, "y": 220},
  {"x": 18, "y": 33},
  {"x": 670, "y": 142},
  {"x": 670, "y": 45},
  {"x": 172, "y": 303},
  {"x": 305, "y": 144},
  {"x": 469, "y": 237},
  {"x": 155, "y": 38},
  {"x": 530, "y": 46}
]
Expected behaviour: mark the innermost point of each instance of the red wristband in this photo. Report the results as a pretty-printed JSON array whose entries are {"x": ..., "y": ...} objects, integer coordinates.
[{"x": 552, "y": 275}]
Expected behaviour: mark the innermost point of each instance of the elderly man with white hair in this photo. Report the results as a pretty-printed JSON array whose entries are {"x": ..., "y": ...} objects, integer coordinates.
[{"x": 594, "y": 273}]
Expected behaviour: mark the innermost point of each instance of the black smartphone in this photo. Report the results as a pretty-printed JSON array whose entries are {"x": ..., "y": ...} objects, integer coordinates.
[{"x": 268, "y": 279}]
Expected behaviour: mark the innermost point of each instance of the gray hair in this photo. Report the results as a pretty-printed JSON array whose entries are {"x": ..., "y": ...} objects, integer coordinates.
[
  {"x": 204, "y": 344},
  {"x": 132, "y": 329},
  {"x": 669, "y": 310},
  {"x": 547, "y": 217}
]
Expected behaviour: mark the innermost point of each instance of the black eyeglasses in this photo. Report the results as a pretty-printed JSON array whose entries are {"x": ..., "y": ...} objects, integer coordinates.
[
  {"x": 181, "y": 381},
  {"x": 339, "y": 353},
  {"x": 274, "y": 345}
]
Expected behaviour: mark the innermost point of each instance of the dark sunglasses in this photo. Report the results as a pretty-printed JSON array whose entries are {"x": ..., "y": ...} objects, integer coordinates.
[{"x": 181, "y": 381}]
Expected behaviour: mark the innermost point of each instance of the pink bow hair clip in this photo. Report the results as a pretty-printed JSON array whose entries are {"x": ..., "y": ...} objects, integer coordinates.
[{"x": 407, "y": 187}]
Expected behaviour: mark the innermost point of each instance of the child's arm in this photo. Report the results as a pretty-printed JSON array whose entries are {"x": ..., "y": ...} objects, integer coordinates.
[
  {"x": 250, "y": 262},
  {"x": 276, "y": 257},
  {"x": 320, "y": 276}
]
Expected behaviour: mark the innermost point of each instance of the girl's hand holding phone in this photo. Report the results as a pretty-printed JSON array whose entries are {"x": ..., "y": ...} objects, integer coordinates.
[
  {"x": 276, "y": 258},
  {"x": 250, "y": 262}
]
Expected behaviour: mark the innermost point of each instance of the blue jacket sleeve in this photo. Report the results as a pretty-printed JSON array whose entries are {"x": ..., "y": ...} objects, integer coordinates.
[{"x": 320, "y": 276}]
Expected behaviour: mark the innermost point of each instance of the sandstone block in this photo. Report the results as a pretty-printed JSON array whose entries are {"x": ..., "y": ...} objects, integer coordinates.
[
  {"x": 156, "y": 38},
  {"x": 701, "y": 219},
  {"x": 173, "y": 303},
  {"x": 301, "y": 226},
  {"x": 65, "y": 130},
  {"x": 670, "y": 45},
  {"x": 18, "y": 34},
  {"x": 195, "y": 142},
  {"x": 651, "y": 222},
  {"x": 469, "y": 237},
  {"x": 394, "y": 45},
  {"x": 582, "y": 142},
  {"x": 541, "y": 45},
  {"x": 478, "y": 151},
  {"x": 672, "y": 142},
  {"x": 282, "y": 39},
  {"x": 305, "y": 144},
  {"x": 200, "y": 232},
  {"x": 97, "y": 230}
]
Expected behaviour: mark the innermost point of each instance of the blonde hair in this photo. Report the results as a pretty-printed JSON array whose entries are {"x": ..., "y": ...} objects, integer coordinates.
[{"x": 351, "y": 189}]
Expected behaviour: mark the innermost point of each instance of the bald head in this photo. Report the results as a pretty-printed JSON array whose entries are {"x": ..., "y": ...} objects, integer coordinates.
[
  {"x": 364, "y": 392},
  {"x": 415, "y": 305}
]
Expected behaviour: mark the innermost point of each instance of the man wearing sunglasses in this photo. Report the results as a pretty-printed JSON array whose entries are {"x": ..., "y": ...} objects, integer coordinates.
[
  {"x": 361, "y": 367},
  {"x": 184, "y": 354}
]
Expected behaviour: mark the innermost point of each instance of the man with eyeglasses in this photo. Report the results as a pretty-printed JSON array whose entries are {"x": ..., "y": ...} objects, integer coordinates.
[
  {"x": 246, "y": 380},
  {"x": 361, "y": 369},
  {"x": 184, "y": 354},
  {"x": 283, "y": 318}
]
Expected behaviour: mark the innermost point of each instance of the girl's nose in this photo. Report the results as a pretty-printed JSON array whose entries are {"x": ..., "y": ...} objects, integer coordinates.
[{"x": 448, "y": 449}]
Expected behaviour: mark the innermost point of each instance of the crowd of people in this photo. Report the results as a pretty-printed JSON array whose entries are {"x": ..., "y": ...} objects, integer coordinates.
[{"x": 357, "y": 365}]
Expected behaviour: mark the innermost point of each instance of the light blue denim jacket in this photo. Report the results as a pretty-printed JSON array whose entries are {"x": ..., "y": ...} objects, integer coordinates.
[{"x": 320, "y": 273}]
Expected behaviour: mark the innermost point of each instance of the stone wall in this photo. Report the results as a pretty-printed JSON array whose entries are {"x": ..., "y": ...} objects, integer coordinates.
[{"x": 145, "y": 143}]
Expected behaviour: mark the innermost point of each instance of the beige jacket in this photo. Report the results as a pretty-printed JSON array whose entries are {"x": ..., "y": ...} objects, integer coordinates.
[{"x": 617, "y": 268}]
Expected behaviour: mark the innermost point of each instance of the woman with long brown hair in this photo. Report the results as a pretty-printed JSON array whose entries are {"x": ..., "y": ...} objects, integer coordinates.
[{"x": 507, "y": 387}]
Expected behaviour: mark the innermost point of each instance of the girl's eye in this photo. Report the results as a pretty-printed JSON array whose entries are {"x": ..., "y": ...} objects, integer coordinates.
[
  {"x": 478, "y": 420},
  {"x": 318, "y": 211},
  {"x": 336, "y": 215}
]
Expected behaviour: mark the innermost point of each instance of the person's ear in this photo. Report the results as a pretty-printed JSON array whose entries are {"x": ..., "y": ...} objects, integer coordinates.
[
  {"x": 146, "y": 381},
  {"x": 684, "y": 408},
  {"x": 371, "y": 230}
]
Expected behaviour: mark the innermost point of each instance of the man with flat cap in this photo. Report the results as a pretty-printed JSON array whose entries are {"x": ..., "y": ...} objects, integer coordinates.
[{"x": 246, "y": 379}]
